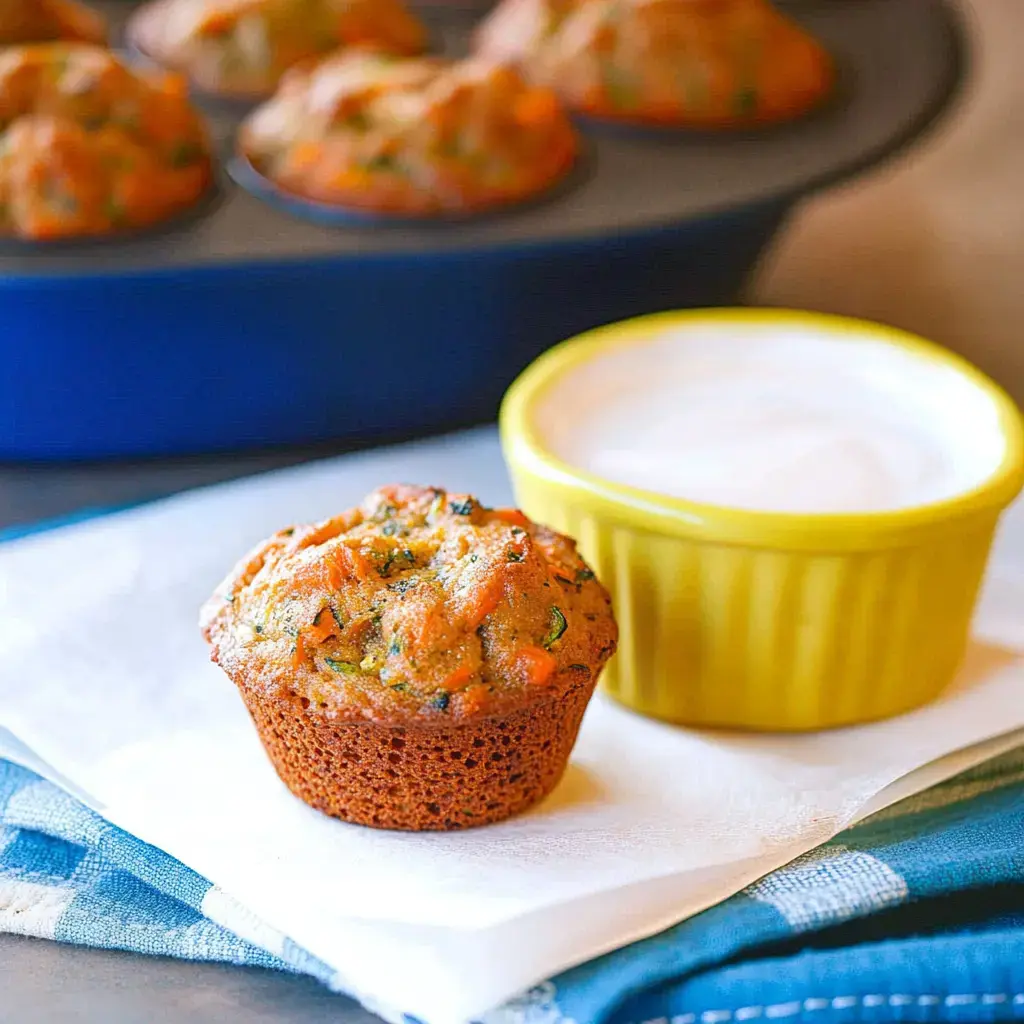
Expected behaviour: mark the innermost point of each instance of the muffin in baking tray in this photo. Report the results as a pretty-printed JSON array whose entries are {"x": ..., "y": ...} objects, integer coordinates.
[
  {"x": 91, "y": 147},
  {"x": 42, "y": 21},
  {"x": 411, "y": 137},
  {"x": 242, "y": 48},
  {"x": 419, "y": 662},
  {"x": 686, "y": 63}
]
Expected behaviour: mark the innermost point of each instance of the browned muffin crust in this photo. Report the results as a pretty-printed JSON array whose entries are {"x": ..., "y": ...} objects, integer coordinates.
[
  {"x": 417, "y": 662},
  {"x": 423, "y": 778}
]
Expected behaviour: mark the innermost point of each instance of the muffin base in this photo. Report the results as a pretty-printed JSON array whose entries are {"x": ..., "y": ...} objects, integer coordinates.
[
  {"x": 421, "y": 777},
  {"x": 370, "y": 206}
]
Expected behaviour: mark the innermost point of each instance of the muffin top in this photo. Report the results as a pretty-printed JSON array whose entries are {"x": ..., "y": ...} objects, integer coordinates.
[
  {"x": 702, "y": 63},
  {"x": 43, "y": 21},
  {"x": 412, "y": 136},
  {"x": 90, "y": 147},
  {"x": 243, "y": 47},
  {"x": 418, "y": 606}
]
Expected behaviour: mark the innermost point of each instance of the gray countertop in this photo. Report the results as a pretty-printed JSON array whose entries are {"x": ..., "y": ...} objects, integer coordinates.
[
  {"x": 29, "y": 493},
  {"x": 49, "y": 983}
]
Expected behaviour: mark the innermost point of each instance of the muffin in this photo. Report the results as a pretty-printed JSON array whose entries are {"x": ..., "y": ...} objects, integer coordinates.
[
  {"x": 419, "y": 662},
  {"x": 686, "y": 63},
  {"x": 44, "y": 21},
  {"x": 90, "y": 147},
  {"x": 243, "y": 47},
  {"x": 410, "y": 137}
]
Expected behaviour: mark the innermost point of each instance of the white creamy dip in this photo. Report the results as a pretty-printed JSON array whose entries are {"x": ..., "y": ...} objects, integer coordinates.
[{"x": 773, "y": 417}]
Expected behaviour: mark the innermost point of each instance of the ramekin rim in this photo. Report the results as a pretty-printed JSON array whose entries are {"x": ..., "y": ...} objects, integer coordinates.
[{"x": 522, "y": 441}]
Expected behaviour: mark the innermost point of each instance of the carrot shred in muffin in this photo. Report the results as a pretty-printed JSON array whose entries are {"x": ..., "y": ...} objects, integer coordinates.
[
  {"x": 697, "y": 63},
  {"x": 244, "y": 47},
  {"x": 420, "y": 621},
  {"x": 44, "y": 21},
  {"x": 91, "y": 147},
  {"x": 414, "y": 137}
]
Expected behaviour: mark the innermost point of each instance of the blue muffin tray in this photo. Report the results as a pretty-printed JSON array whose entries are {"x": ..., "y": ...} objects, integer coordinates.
[{"x": 249, "y": 325}]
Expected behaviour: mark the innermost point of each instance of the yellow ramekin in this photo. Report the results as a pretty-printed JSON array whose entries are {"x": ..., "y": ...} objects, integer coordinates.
[{"x": 765, "y": 620}]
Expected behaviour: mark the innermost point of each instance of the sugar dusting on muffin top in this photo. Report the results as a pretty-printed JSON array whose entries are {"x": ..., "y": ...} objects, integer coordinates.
[{"x": 418, "y": 604}]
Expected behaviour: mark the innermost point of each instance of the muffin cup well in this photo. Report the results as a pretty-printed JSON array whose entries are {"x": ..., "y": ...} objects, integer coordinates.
[
  {"x": 216, "y": 104},
  {"x": 254, "y": 181},
  {"x": 422, "y": 778},
  {"x": 769, "y": 620},
  {"x": 184, "y": 219}
]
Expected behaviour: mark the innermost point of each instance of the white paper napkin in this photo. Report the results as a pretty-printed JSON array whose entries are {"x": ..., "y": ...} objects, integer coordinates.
[{"x": 105, "y": 680}]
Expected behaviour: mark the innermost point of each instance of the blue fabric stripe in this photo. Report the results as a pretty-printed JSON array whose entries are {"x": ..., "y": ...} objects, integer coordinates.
[
  {"x": 61, "y": 815},
  {"x": 929, "y": 978},
  {"x": 40, "y": 858},
  {"x": 982, "y": 842}
]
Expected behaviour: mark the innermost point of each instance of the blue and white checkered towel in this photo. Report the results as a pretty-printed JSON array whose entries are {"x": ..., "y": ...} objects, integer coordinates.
[{"x": 915, "y": 914}]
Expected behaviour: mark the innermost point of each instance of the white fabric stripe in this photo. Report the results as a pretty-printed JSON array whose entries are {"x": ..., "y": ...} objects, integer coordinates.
[
  {"x": 828, "y": 885},
  {"x": 33, "y": 806},
  {"x": 28, "y": 908},
  {"x": 225, "y": 910}
]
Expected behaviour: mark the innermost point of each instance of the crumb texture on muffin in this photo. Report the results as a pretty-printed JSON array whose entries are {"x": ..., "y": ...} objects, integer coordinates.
[
  {"x": 420, "y": 661},
  {"x": 243, "y": 47},
  {"x": 699, "y": 63},
  {"x": 44, "y": 21},
  {"x": 90, "y": 147},
  {"x": 413, "y": 137}
]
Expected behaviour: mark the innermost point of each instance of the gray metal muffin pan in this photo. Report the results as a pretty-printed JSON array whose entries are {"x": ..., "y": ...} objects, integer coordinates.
[{"x": 899, "y": 62}]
